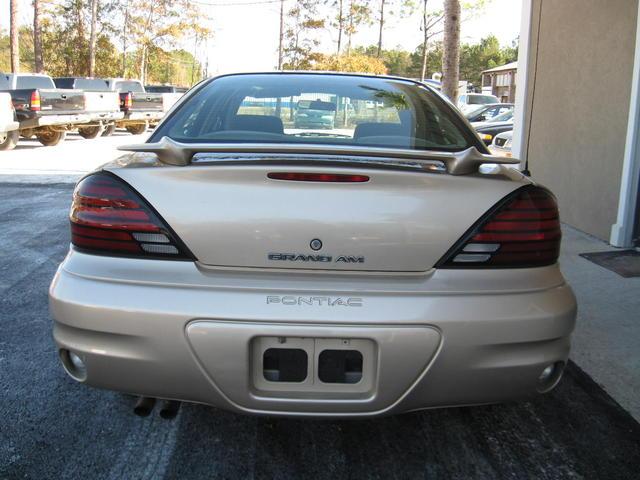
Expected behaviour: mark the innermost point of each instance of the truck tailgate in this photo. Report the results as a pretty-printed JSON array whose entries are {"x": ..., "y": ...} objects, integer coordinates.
[
  {"x": 55, "y": 102},
  {"x": 6, "y": 111},
  {"x": 101, "y": 101},
  {"x": 146, "y": 101}
]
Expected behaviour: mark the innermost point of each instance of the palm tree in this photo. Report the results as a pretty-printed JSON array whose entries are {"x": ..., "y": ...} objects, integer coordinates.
[
  {"x": 451, "y": 47},
  {"x": 37, "y": 38},
  {"x": 13, "y": 29},
  {"x": 92, "y": 38}
]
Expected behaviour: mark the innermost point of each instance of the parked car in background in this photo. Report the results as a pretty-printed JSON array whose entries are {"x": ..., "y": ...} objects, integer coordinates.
[
  {"x": 9, "y": 133},
  {"x": 435, "y": 84},
  {"x": 232, "y": 262},
  {"x": 485, "y": 113},
  {"x": 140, "y": 107},
  {"x": 501, "y": 145},
  {"x": 102, "y": 105},
  {"x": 165, "y": 89},
  {"x": 314, "y": 114},
  {"x": 488, "y": 130},
  {"x": 469, "y": 101},
  {"x": 41, "y": 108}
]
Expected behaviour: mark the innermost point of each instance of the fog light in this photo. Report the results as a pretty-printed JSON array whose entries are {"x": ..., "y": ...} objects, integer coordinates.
[{"x": 73, "y": 365}]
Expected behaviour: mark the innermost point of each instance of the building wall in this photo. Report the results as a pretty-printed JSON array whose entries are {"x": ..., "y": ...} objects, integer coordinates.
[
  {"x": 579, "y": 73},
  {"x": 491, "y": 84}
]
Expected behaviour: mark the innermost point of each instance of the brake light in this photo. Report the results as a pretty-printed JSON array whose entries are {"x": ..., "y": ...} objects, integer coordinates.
[
  {"x": 318, "y": 177},
  {"x": 34, "y": 103},
  {"x": 126, "y": 101},
  {"x": 108, "y": 217},
  {"x": 521, "y": 231}
]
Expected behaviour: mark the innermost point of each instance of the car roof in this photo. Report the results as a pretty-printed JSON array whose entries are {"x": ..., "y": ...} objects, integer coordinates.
[
  {"x": 26, "y": 74},
  {"x": 326, "y": 73}
]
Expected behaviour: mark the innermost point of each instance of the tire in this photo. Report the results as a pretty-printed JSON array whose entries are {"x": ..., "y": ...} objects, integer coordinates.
[
  {"x": 90, "y": 132},
  {"x": 9, "y": 140},
  {"x": 50, "y": 138},
  {"x": 109, "y": 130},
  {"x": 138, "y": 128}
]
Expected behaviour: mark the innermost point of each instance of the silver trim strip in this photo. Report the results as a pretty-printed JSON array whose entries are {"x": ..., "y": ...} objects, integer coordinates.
[{"x": 481, "y": 247}]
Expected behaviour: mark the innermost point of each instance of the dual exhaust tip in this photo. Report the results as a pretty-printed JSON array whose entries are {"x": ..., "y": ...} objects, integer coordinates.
[{"x": 168, "y": 409}]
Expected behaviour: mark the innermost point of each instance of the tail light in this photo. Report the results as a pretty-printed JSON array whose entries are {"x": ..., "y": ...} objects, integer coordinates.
[
  {"x": 126, "y": 101},
  {"x": 318, "y": 177},
  {"x": 110, "y": 218},
  {"x": 34, "y": 103},
  {"x": 521, "y": 231}
]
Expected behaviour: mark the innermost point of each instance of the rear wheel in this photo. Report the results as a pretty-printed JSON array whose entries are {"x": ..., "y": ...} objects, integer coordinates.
[
  {"x": 109, "y": 130},
  {"x": 9, "y": 140},
  {"x": 137, "y": 128},
  {"x": 49, "y": 138},
  {"x": 90, "y": 132}
]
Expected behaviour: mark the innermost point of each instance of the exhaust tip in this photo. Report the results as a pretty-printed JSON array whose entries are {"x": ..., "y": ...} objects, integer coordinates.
[
  {"x": 73, "y": 364},
  {"x": 550, "y": 376},
  {"x": 144, "y": 406},
  {"x": 169, "y": 409}
]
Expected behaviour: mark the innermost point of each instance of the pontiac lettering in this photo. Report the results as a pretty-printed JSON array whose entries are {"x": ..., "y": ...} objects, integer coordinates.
[{"x": 315, "y": 301}]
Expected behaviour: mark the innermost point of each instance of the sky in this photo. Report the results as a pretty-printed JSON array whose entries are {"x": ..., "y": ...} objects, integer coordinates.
[{"x": 245, "y": 32}]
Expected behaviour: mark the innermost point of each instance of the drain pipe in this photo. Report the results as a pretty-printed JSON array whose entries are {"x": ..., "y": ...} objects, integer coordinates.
[
  {"x": 144, "y": 406},
  {"x": 169, "y": 409}
]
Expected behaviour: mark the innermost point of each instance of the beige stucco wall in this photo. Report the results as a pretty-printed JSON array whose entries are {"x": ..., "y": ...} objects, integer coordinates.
[{"x": 580, "y": 70}]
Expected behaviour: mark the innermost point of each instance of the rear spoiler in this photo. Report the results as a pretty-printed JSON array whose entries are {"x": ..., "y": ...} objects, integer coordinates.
[{"x": 464, "y": 162}]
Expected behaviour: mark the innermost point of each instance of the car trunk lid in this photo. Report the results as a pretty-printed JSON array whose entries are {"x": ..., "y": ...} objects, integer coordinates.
[{"x": 234, "y": 215}]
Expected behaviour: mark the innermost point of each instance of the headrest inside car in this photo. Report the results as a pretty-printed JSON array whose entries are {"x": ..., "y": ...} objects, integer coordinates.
[{"x": 257, "y": 123}]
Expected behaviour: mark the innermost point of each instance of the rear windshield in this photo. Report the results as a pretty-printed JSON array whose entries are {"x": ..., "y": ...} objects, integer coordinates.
[
  {"x": 504, "y": 117},
  {"x": 94, "y": 84},
  {"x": 481, "y": 99},
  {"x": 312, "y": 108},
  {"x": 127, "y": 86},
  {"x": 34, "y": 81},
  {"x": 164, "y": 89},
  {"x": 158, "y": 89}
]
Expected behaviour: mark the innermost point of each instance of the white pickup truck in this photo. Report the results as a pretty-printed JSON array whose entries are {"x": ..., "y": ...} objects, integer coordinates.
[
  {"x": 43, "y": 109},
  {"x": 102, "y": 105},
  {"x": 141, "y": 108},
  {"x": 9, "y": 132}
]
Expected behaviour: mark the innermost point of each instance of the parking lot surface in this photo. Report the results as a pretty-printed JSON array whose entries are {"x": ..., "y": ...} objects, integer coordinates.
[
  {"x": 51, "y": 427},
  {"x": 70, "y": 158}
]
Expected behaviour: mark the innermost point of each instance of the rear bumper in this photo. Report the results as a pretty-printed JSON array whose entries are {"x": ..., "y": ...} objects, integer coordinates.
[
  {"x": 105, "y": 116},
  {"x": 9, "y": 126},
  {"x": 54, "y": 120},
  {"x": 139, "y": 117},
  {"x": 174, "y": 330}
]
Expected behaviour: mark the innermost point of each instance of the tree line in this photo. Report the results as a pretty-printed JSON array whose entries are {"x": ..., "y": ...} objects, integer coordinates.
[
  {"x": 108, "y": 38},
  {"x": 304, "y": 23},
  {"x": 140, "y": 39}
]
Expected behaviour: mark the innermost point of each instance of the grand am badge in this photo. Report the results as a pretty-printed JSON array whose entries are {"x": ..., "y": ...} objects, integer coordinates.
[{"x": 301, "y": 257}]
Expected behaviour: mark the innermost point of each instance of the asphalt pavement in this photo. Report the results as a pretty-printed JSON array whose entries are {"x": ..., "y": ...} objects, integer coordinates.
[{"x": 53, "y": 428}]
